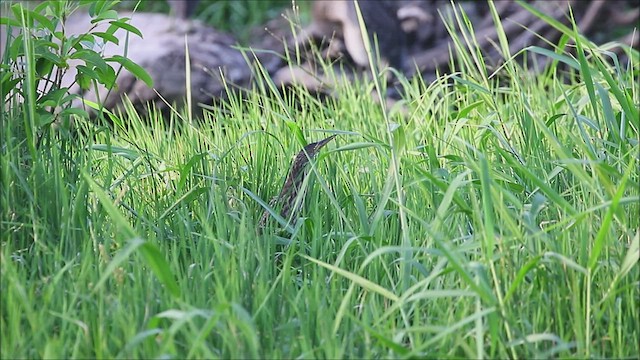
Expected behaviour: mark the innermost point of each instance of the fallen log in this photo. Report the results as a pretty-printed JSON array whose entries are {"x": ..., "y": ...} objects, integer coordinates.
[{"x": 162, "y": 52}]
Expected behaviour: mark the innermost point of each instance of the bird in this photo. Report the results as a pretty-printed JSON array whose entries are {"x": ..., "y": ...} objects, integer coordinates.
[{"x": 287, "y": 200}]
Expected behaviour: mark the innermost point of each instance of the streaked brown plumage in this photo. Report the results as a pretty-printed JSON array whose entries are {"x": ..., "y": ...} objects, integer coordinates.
[{"x": 290, "y": 192}]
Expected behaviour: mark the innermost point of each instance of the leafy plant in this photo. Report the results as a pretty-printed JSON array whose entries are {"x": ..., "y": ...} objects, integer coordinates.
[{"x": 39, "y": 53}]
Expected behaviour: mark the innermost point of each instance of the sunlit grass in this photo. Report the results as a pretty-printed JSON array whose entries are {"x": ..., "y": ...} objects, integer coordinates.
[{"x": 520, "y": 239}]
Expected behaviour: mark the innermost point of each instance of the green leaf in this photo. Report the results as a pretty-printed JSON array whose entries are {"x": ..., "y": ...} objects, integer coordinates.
[
  {"x": 185, "y": 171},
  {"x": 607, "y": 222},
  {"x": 107, "y": 77},
  {"x": 91, "y": 58},
  {"x": 43, "y": 67},
  {"x": 609, "y": 117},
  {"x": 558, "y": 57},
  {"x": 159, "y": 266},
  {"x": 282, "y": 221},
  {"x": 75, "y": 111},
  {"x": 553, "y": 119},
  {"x": 361, "y": 145},
  {"x": 297, "y": 132},
  {"x": 632, "y": 257},
  {"x": 134, "y": 68},
  {"x": 105, "y": 15},
  {"x": 109, "y": 38},
  {"x": 43, "y": 21},
  {"x": 471, "y": 84},
  {"x": 186, "y": 198},
  {"x": 357, "y": 279},
  {"x": 9, "y": 22},
  {"x": 80, "y": 42},
  {"x": 117, "y": 150},
  {"x": 53, "y": 58},
  {"x": 44, "y": 118},
  {"x": 487, "y": 207},
  {"x": 85, "y": 76},
  {"x": 8, "y": 85},
  {"x": 54, "y": 97},
  {"x": 21, "y": 14},
  {"x": 384, "y": 340},
  {"x": 150, "y": 252},
  {"x": 126, "y": 26},
  {"x": 520, "y": 276},
  {"x": 83, "y": 81}
]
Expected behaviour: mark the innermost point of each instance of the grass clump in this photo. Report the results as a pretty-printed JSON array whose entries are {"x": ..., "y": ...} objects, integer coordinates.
[{"x": 480, "y": 217}]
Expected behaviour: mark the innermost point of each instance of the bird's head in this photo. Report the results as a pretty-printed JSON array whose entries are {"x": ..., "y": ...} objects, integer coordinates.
[{"x": 308, "y": 153}]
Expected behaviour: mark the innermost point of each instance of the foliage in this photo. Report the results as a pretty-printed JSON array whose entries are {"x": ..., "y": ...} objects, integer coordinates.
[
  {"x": 39, "y": 53},
  {"x": 484, "y": 215}
]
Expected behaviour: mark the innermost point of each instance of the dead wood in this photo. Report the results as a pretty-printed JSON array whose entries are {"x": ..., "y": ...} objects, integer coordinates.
[{"x": 411, "y": 36}]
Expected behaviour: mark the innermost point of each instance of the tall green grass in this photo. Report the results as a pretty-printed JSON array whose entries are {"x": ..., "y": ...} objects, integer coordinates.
[{"x": 485, "y": 215}]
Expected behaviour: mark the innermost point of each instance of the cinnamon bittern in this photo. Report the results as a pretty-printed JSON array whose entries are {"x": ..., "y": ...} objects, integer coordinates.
[{"x": 290, "y": 197}]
